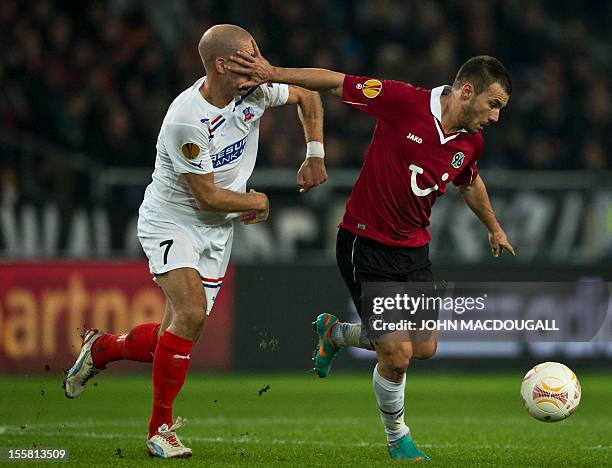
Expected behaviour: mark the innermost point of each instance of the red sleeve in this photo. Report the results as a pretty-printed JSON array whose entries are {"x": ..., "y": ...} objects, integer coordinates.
[
  {"x": 470, "y": 172},
  {"x": 385, "y": 99}
]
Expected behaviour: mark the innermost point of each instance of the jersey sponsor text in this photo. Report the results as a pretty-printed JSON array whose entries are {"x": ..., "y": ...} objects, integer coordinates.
[{"x": 229, "y": 154}]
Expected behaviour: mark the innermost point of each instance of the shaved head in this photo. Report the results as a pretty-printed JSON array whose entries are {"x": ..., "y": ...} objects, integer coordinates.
[{"x": 221, "y": 41}]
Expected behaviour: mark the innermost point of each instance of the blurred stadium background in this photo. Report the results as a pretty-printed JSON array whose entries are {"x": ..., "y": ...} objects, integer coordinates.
[{"x": 85, "y": 86}]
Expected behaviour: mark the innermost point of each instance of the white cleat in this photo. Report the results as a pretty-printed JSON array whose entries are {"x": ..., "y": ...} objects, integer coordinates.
[
  {"x": 83, "y": 368},
  {"x": 166, "y": 444}
]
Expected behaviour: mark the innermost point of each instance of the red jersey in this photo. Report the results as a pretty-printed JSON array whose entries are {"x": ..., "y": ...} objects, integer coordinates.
[{"x": 408, "y": 162}]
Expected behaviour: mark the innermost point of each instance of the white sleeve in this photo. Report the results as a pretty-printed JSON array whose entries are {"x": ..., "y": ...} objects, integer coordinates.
[
  {"x": 275, "y": 94},
  {"x": 187, "y": 146}
]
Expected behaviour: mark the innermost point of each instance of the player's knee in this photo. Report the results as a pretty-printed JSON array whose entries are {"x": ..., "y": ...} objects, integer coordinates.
[
  {"x": 193, "y": 301},
  {"x": 188, "y": 321},
  {"x": 401, "y": 361},
  {"x": 196, "y": 316},
  {"x": 425, "y": 350},
  {"x": 397, "y": 359},
  {"x": 190, "y": 313}
]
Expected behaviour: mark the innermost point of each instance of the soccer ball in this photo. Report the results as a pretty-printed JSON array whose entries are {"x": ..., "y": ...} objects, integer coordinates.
[{"x": 550, "y": 392}]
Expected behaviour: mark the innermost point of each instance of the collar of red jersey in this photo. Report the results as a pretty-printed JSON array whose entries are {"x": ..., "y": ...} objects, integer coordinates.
[{"x": 436, "y": 106}]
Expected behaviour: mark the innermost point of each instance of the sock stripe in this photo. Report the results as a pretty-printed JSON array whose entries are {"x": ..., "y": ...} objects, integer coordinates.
[{"x": 394, "y": 413}]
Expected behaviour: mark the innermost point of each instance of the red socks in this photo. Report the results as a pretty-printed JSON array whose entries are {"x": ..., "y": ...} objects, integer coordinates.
[
  {"x": 170, "y": 365},
  {"x": 170, "y": 356},
  {"x": 138, "y": 345}
]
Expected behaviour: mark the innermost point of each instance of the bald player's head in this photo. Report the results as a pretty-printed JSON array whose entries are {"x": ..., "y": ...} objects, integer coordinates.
[{"x": 221, "y": 41}]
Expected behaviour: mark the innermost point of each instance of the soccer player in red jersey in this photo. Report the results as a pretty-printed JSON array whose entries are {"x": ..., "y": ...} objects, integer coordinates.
[{"x": 423, "y": 140}]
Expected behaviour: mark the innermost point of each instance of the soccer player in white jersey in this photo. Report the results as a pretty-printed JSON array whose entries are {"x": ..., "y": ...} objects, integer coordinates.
[{"x": 206, "y": 152}]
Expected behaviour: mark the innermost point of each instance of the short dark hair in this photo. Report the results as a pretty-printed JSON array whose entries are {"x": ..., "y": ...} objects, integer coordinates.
[{"x": 482, "y": 71}]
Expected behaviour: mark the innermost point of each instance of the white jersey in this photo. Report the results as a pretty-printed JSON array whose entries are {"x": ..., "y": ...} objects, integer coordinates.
[{"x": 197, "y": 137}]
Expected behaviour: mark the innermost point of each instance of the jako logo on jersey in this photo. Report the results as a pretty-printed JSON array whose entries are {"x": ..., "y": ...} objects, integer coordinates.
[
  {"x": 371, "y": 88},
  {"x": 419, "y": 192},
  {"x": 457, "y": 160},
  {"x": 248, "y": 115},
  {"x": 229, "y": 154},
  {"x": 414, "y": 138}
]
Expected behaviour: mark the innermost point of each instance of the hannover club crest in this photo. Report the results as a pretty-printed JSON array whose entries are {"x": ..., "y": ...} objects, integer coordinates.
[{"x": 457, "y": 160}]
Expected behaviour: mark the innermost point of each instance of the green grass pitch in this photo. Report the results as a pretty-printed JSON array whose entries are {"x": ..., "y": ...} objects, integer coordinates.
[{"x": 458, "y": 419}]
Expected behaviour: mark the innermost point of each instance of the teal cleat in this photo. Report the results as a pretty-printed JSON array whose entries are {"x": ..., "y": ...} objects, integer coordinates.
[
  {"x": 326, "y": 351},
  {"x": 404, "y": 449}
]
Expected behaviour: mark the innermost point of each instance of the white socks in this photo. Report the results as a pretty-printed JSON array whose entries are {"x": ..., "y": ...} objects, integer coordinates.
[
  {"x": 349, "y": 334},
  {"x": 390, "y": 399}
]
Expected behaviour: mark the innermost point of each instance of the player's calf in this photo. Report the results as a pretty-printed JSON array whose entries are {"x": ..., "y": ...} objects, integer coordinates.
[
  {"x": 346, "y": 335},
  {"x": 136, "y": 345}
]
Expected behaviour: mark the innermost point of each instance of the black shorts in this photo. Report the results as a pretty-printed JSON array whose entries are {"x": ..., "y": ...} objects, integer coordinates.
[{"x": 363, "y": 260}]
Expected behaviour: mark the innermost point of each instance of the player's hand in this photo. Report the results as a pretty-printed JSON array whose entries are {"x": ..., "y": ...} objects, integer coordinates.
[
  {"x": 255, "y": 66},
  {"x": 257, "y": 215},
  {"x": 498, "y": 242},
  {"x": 312, "y": 173}
]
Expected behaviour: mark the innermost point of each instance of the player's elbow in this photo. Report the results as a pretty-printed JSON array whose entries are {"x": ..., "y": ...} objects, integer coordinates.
[
  {"x": 200, "y": 205},
  {"x": 210, "y": 204},
  {"x": 204, "y": 191},
  {"x": 337, "y": 91},
  {"x": 204, "y": 205},
  {"x": 309, "y": 104},
  {"x": 209, "y": 199},
  {"x": 464, "y": 189},
  {"x": 307, "y": 95}
]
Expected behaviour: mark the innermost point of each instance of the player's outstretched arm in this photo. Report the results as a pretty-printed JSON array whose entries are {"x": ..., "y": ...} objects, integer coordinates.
[
  {"x": 310, "y": 111},
  {"x": 476, "y": 197},
  {"x": 260, "y": 71},
  {"x": 254, "y": 206}
]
